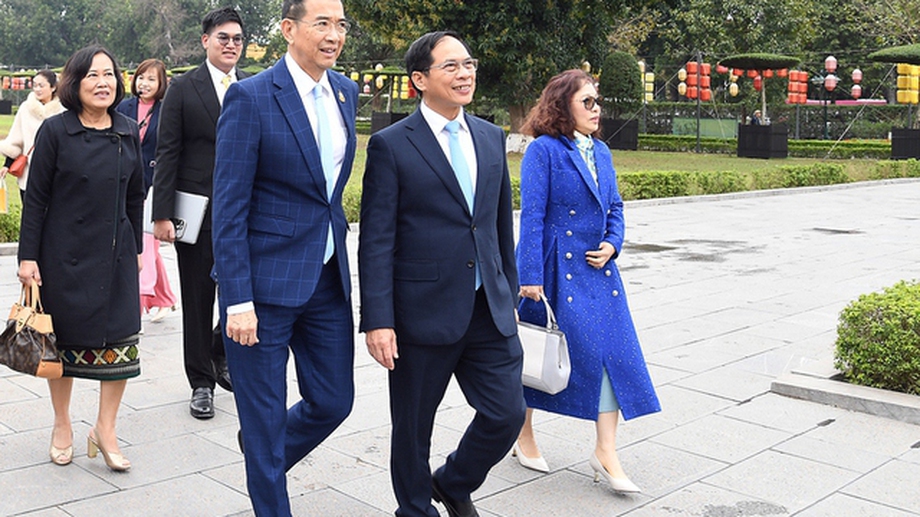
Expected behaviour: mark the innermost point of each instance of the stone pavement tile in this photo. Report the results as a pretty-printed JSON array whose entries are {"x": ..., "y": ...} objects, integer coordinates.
[
  {"x": 369, "y": 412},
  {"x": 741, "y": 316},
  {"x": 167, "y": 422},
  {"x": 776, "y": 362},
  {"x": 30, "y": 448},
  {"x": 785, "y": 330},
  {"x": 662, "y": 375},
  {"x": 47, "y": 485},
  {"x": 894, "y": 484},
  {"x": 374, "y": 490},
  {"x": 696, "y": 357},
  {"x": 191, "y": 495},
  {"x": 371, "y": 446},
  {"x": 325, "y": 467},
  {"x": 370, "y": 379},
  {"x": 825, "y": 452},
  {"x": 721, "y": 438},
  {"x": 659, "y": 469},
  {"x": 224, "y": 435},
  {"x": 160, "y": 460},
  {"x": 563, "y": 494},
  {"x": 788, "y": 481},
  {"x": 783, "y": 413},
  {"x": 861, "y": 431},
  {"x": 153, "y": 391},
  {"x": 913, "y": 455},
  {"x": 50, "y": 512},
  {"x": 680, "y": 405},
  {"x": 654, "y": 315},
  {"x": 10, "y": 392},
  {"x": 730, "y": 382},
  {"x": 700, "y": 499},
  {"x": 331, "y": 503},
  {"x": 37, "y": 413},
  {"x": 842, "y": 505}
]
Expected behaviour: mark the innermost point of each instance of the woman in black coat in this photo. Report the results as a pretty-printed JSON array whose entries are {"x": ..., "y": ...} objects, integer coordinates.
[{"x": 81, "y": 240}]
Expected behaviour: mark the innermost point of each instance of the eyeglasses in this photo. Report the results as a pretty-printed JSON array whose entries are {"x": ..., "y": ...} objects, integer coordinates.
[
  {"x": 452, "y": 67},
  {"x": 325, "y": 26},
  {"x": 591, "y": 102},
  {"x": 224, "y": 39}
]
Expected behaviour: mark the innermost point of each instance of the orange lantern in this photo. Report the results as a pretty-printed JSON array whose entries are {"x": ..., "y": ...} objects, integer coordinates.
[
  {"x": 691, "y": 80},
  {"x": 721, "y": 69},
  {"x": 737, "y": 72},
  {"x": 705, "y": 69},
  {"x": 705, "y": 81},
  {"x": 692, "y": 67},
  {"x": 752, "y": 73},
  {"x": 705, "y": 95},
  {"x": 782, "y": 72},
  {"x": 767, "y": 74},
  {"x": 692, "y": 92}
]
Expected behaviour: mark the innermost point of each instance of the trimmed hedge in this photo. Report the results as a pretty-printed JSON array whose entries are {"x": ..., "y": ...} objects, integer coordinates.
[
  {"x": 873, "y": 149},
  {"x": 887, "y": 169},
  {"x": 9, "y": 224},
  {"x": 878, "y": 339}
]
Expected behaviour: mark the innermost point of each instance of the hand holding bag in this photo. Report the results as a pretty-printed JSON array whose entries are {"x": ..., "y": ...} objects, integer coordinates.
[
  {"x": 28, "y": 343},
  {"x": 18, "y": 167},
  {"x": 546, "y": 354}
]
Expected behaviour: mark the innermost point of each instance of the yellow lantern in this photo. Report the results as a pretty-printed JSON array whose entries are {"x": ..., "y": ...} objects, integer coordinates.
[
  {"x": 914, "y": 97},
  {"x": 649, "y": 97},
  {"x": 355, "y": 76},
  {"x": 650, "y": 77},
  {"x": 650, "y": 87},
  {"x": 682, "y": 74},
  {"x": 903, "y": 82},
  {"x": 903, "y": 69},
  {"x": 682, "y": 88},
  {"x": 914, "y": 83},
  {"x": 642, "y": 67},
  {"x": 733, "y": 89}
]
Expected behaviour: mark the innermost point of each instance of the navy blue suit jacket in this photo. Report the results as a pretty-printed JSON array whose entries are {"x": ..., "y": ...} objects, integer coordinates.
[
  {"x": 271, "y": 214},
  {"x": 128, "y": 107},
  {"x": 418, "y": 238}
]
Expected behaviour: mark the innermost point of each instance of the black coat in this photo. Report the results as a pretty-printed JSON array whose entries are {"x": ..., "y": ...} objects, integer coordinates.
[{"x": 82, "y": 224}]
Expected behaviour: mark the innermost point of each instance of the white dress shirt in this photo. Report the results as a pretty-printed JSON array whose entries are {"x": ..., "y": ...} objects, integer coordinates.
[
  {"x": 437, "y": 122},
  {"x": 217, "y": 78}
]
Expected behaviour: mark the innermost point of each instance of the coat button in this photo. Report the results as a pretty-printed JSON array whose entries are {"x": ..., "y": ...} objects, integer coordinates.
[
  {"x": 568, "y": 256},
  {"x": 568, "y": 276},
  {"x": 616, "y": 293},
  {"x": 470, "y": 264},
  {"x": 607, "y": 273},
  {"x": 73, "y": 262},
  {"x": 153, "y": 163},
  {"x": 569, "y": 299},
  {"x": 568, "y": 233},
  {"x": 571, "y": 212},
  {"x": 79, "y": 220}
]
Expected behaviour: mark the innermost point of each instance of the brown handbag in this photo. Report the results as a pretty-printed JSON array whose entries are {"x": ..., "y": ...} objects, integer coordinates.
[
  {"x": 18, "y": 167},
  {"x": 28, "y": 343}
]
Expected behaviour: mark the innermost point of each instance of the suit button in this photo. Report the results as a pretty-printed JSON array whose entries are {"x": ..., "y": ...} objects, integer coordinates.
[
  {"x": 474, "y": 227},
  {"x": 568, "y": 233},
  {"x": 569, "y": 299},
  {"x": 607, "y": 273},
  {"x": 568, "y": 276},
  {"x": 568, "y": 256},
  {"x": 470, "y": 264},
  {"x": 73, "y": 262},
  {"x": 571, "y": 212},
  {"x": 616, "y": 293}
]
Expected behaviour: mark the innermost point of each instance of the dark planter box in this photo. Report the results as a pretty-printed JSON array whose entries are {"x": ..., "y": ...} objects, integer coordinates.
[
  {"x": 905, "y": 143},
  {"x": 6, "y": 107},
  {"x": 620, "y": 134},
  {"x": 382, "y": 119},
  {"x": 763, "y": 141}
]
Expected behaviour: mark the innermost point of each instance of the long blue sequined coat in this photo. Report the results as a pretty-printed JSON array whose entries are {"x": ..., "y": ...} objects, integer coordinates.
[{"x": 564, "y": 214}]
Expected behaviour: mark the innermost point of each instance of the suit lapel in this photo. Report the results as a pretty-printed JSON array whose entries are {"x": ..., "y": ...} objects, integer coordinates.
[
  {"x": 484, "y": 168},
  {"x": 201, "y": 79},
  {"x": 422, "y": 138},
  {"x": 292, "y": 107},
  {"x": 347, "y": 109}
]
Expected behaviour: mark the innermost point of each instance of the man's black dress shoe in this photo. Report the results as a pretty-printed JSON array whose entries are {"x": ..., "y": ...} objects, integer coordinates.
[
  {"x": 202, "y": 404},
  {"x": 222, "y": 374},
  {"x": 454, "y": 508}
]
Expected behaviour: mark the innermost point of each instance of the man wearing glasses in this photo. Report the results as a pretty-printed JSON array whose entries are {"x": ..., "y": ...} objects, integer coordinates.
[
  {"x": 185, "y": 163},
  {"x": 439, "y": 281},
  {"x": 285, "y": 145}
]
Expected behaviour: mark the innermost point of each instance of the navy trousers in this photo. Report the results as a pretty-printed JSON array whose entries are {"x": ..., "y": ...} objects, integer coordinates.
[
  {"x": 320, "y": 335},
  {"x": 487, "y": 366}
]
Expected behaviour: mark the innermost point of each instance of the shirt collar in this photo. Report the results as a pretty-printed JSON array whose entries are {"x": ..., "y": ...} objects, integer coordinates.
[
  {"x": 436, "y": 121},
  {"x": 218, "y": 74},
  {"x": 302, "y": 80}
]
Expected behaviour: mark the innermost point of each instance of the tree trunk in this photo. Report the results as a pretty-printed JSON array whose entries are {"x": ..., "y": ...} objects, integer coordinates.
[{"x": 518, "y": 113}]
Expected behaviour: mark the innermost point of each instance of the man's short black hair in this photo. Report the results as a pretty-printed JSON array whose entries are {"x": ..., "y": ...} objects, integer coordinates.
[
  {"x": 218, "y": 17},
  {"x": 418, "y": 57}
]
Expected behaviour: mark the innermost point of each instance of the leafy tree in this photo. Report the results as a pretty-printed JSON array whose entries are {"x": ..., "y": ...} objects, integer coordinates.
[
  {"x": 520, "y": 43},
  {"x": 620, "y": 84}
]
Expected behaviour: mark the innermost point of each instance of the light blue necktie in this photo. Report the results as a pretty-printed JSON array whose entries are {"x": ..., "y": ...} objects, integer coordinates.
[
  {"x": 325, "y": 153},
  {"x": 462, "y": 171}
]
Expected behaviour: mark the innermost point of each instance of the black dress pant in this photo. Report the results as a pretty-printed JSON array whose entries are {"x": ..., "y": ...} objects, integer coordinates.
[{"x": 201, "y": 339}]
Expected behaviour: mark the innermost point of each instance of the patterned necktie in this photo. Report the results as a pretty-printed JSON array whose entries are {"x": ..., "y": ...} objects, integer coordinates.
[
  {"x": 324, "y": 132},
  {"x": 462, "y": 171},
  {"x": 226, "y": 80},
  {"x": 586, "y": 148}
]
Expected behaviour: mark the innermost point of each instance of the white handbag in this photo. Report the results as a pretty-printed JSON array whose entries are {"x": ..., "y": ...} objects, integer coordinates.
[{"x": 546, "y": 354}]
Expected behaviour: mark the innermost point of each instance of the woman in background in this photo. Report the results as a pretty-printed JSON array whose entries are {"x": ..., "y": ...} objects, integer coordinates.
[
  {"x": 81, "y": 241},
  {"x": 148, "y": 86},
  {"x": 41, "y": 103},
  {"x": 571, "y": 231}
]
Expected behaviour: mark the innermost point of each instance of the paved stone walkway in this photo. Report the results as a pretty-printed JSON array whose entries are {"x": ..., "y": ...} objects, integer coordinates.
[{"x": 728, "y": 293}]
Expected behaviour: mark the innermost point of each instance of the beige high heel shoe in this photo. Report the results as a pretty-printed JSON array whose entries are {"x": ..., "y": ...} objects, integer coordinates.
[
  {"x": 61, "y": 456},
  {"x": 113, "y": 460},
  {"x": 622, "y": 485}
]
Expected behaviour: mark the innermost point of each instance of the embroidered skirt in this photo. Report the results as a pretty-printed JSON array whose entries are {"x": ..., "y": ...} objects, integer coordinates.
[{"x": 117, "y": 361}]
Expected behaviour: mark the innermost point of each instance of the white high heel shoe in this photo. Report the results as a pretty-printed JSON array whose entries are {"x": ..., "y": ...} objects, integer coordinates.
[
  {"x": 622, "y": 485},
  {"x": 539, "y": 464}
]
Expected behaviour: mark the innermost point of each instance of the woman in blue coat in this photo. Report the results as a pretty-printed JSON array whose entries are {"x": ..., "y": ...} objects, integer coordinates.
[{"x": 571, "y": 232}]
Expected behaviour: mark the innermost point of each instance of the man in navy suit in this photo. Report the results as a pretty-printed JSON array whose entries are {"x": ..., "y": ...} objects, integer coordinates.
[
  {"x": 438, "y": 279},
  {"x": 285, "y": 146}
]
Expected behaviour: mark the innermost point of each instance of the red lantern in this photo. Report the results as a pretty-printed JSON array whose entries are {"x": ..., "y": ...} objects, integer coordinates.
[
  {"x": 705, "y": 95},
  {"x": 692, "y": 67},
  {"x": 705, "y": 69},
  {"x": 767, "y": 74},
  {"x": 752, "y": 73},
  {"x": 782, "y": 72},
  {"x": 721, "y": 69},
  {"x": 758, "y": 83},
  {"x": 691, "y": 80},
  {"x": 737, "y": 72},
  {"x": 691, "y": 92},
  {"x": 705, "y": 81}
]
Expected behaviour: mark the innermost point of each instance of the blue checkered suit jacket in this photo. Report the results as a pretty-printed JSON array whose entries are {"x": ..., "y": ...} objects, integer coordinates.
[{"x": 270, "y": 212}]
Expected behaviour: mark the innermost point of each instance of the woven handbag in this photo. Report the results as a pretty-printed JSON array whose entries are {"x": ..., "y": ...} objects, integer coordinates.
[
  {"x": 27, "y": 345},
  {"x": 546, "y": 354}
]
